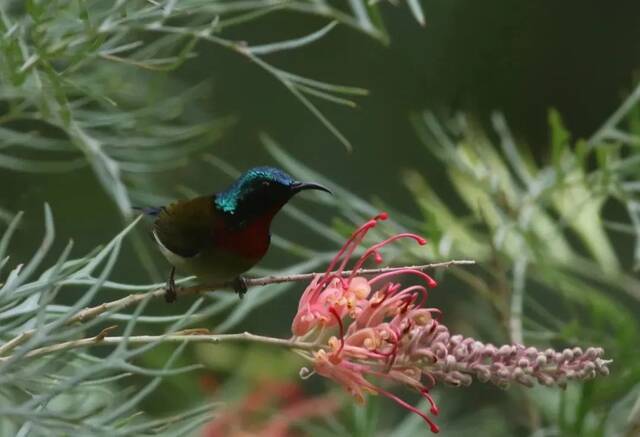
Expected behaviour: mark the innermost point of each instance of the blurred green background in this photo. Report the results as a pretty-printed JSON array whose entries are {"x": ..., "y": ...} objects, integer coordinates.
[
  {"x": 476, "y": 58},
  {"x": 470, "y": 59}
]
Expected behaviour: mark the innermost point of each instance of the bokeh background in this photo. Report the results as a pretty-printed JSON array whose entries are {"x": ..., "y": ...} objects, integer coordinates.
[{"x": 486, "y": 128}]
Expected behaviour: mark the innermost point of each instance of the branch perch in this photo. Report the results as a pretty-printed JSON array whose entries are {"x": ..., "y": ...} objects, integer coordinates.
[
  {"x": 132, "y": 299},
  {"x": 102, "y": 340}
]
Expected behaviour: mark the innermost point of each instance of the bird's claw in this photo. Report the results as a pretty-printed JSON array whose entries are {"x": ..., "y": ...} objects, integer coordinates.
[
  {"x": 170, "y": 294},
  {"x": 240, "y": 286}
]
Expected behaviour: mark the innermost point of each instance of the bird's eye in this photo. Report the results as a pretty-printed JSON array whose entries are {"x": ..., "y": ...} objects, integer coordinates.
[{"x": 266, "y": 184}]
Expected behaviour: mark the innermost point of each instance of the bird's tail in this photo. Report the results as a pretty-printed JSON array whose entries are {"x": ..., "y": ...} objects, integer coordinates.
[{"x": 152, "y": 211}]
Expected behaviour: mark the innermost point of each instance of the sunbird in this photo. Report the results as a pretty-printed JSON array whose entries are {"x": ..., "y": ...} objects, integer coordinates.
[{"x": 219, "y": 237}]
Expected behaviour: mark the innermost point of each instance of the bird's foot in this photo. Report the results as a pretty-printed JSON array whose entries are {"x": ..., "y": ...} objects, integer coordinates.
[
  {"x": 170, "y": 294},
  {"x": 240, "y": 286}
]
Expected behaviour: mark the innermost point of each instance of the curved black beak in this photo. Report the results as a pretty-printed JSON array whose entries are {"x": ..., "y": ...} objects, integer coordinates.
[{"x": 300, "y": 186}]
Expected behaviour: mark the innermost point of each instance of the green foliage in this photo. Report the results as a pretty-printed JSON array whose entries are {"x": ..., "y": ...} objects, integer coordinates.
[
  {"x": 540, "y": 220},
  {"x": 70, "y": 394},
  {"x": 92, "y": 84},
  {"x": 87, "y": 74}
]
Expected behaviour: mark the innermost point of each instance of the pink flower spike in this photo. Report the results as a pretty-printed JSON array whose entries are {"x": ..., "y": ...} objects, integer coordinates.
[{"x": 387, "y": 334}]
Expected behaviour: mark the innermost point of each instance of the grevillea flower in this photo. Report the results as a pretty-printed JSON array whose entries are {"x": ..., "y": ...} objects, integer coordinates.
[{"x": 386, "y": 334}]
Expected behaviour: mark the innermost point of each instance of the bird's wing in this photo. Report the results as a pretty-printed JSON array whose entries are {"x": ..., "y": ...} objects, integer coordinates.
[{"x": 187, "y": 227}]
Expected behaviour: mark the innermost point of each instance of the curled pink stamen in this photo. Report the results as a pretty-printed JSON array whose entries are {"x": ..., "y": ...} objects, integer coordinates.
[
  {"x": 387, "y": 291},
  {"x": 421, "y": 290},
  {"x": 431, "y": 283},
  {"x": 433, "y": 327},
  {"x": 434, "y": 428},
  {"x": 393, "y": 342},
  {"x": 374, "y": 250},
  {"x": 432, "y": 380},
  {"x": 351, "y": 243},
  {"x": 434, "y": 408},
  {"x": 437, "y": 311}
]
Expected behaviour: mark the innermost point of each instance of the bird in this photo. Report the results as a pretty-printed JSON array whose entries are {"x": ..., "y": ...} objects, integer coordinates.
[{"x": 219, "y": 237}]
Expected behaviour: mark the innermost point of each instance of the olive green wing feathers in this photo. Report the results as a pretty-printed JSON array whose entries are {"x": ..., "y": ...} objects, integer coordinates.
[{"x": 186, "y": 227}]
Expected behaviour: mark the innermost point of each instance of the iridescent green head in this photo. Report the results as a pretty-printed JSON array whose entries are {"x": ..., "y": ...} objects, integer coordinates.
[{"x": 260, "y": 190}]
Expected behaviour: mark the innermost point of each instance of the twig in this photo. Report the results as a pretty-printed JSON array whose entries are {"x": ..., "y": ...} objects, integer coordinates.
[
  {"x": 364, "y": 272},
  {"x": 132, "y": 299},
  {"x": 101, "y": 340}
]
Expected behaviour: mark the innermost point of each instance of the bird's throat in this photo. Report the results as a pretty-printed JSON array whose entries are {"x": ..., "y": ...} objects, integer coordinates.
[{"x": 251, "y": 240}]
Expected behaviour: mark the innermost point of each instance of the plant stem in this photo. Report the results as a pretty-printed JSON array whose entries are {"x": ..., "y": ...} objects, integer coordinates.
[
  {"x": 364, "y": 272},
  {"x": 101, "y": 340},
  {"x": 132, "y": 299}
]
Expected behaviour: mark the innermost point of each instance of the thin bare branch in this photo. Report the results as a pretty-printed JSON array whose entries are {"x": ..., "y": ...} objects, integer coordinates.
[
  {"x": 101, "y": 340},
  {"x": 132, "y": 299}
]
